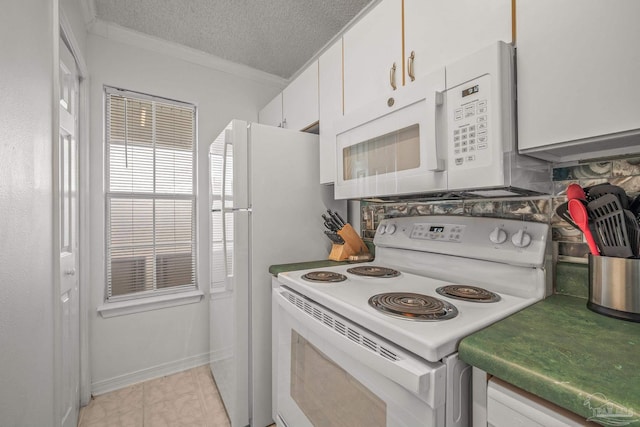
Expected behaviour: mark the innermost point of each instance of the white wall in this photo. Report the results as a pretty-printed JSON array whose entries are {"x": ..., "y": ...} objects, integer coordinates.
[
  {"x": 71, "y": 11},
  {"x": 26, "y": 219},
  {"x": 132, "y": 347}
]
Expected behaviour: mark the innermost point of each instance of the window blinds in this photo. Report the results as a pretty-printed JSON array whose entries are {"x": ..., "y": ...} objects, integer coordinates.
[{"x": 150, "y": 197}]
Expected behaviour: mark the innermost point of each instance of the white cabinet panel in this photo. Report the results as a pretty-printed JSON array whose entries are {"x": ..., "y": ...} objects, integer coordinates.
[
  {"x": 330, "y": 100},
  {"x": 300, "y": 100},
  {"x": 440, "y": 32},
  {"x": 271, "y": 114},
  {"x": 371, "y": 47},
  {"x": 578, "y": 65}
]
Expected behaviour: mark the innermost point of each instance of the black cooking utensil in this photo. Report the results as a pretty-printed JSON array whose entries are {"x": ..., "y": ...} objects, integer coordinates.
[
  {"x": 600, "y": 190},
  {"x": 563, "y": 212},
  {"x": 633, "y": 231},
  {"x": 609, "y": 220},
  {"x": 341, "y": 220},
  {"x": 634, "y": 206}
]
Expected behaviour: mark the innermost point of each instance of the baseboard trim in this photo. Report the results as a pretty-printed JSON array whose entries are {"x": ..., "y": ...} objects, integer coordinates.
[{"x": 121, "y": 381}]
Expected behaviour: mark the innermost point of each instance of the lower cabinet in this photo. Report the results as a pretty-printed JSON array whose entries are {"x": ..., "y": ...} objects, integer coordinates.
[{"x": 509, "y": 406}]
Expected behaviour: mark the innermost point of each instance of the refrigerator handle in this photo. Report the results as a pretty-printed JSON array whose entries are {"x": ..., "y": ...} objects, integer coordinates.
[{"x": 228, "y": 283}]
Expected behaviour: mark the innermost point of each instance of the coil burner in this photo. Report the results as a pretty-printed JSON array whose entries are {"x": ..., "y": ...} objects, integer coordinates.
[
  {"x": 373, "y": 271},
  {"x": 324, "y": 276},
  {"x": 411, "y": 306},
  {"x": 468, "y": 293}
]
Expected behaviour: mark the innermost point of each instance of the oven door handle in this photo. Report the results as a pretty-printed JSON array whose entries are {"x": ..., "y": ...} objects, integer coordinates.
[{"x": 416, "y": 375}]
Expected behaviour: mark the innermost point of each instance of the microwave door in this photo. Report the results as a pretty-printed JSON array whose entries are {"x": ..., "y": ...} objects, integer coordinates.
[{"x": 396, "y": 150}]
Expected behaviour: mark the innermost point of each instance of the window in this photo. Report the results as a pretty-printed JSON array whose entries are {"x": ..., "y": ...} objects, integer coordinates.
[{"x": 150, "y": 195}]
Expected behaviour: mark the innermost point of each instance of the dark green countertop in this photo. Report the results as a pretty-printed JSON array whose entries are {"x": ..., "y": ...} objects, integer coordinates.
[{"x": 565, "y": 353}]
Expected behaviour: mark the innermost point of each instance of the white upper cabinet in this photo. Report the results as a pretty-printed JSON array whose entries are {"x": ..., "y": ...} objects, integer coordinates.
[
  {"x": 296, "y": 107},
  {"x": 400, "y": 40},
  {"x": 300, "y": 100},
  {"x": 578, "y": 67},
  {"x": 439, "y": 32},
  {"x": 372, "y": 47},
  {"x": 271, "y": 114},
  {"x": 330, "y": 100}
]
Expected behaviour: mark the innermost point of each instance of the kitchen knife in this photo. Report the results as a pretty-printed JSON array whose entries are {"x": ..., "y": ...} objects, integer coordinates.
[
  {"x": 335, "y": 226},
  {"x": 335, "y": 218},
  {"x": 335, "y": 238}
]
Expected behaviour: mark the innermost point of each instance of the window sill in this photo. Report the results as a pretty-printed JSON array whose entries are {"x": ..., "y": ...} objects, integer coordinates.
[{"x": 114, "y": 309}]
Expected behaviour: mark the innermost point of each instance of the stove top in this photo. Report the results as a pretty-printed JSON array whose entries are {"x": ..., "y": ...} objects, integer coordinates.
[
  {"x": 373, "y": 271},
  {"x": 421, "y": 276},
  {"x": 410, "y": 306},
  {"x": 468, "y": 293},
  {"x": 324, "y": 276}
]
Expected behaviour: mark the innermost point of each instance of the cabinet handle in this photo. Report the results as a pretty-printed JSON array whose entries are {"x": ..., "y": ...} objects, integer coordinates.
[
  {"x": 412, "y": 74},
  {"x": 392, "y": 76}
]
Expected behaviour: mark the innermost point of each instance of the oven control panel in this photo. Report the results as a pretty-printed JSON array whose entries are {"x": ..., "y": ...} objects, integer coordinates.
[
  {"x": 438, "y": 232},
  {"x": 510, "y": 241}
]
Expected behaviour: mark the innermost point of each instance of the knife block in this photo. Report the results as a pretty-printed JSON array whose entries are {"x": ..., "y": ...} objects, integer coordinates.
[{"x": 353, "y": 245}]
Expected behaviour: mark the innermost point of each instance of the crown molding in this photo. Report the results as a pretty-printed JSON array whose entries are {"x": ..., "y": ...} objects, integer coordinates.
[{"x": 124, "y": 35}]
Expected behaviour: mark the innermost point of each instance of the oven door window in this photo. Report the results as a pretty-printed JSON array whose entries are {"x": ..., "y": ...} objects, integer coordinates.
[{"x": 317, "y": 383}]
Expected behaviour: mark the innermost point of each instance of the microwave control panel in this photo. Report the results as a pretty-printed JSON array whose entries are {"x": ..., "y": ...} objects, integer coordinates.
[{"x": 469, "y": 126}]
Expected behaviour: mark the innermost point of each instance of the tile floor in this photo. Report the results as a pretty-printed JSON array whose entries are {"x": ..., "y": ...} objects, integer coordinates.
[{"x": 185, "y": 399}]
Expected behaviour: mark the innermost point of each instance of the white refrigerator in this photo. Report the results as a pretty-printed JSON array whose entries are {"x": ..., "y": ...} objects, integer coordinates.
[{"x": 266, "y": 207}]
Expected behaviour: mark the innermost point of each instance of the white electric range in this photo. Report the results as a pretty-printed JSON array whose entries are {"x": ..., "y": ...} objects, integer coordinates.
[{"x": 383, "y": 336}]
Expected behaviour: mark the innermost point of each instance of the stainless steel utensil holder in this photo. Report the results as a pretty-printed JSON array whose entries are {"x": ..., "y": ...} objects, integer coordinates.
[{"x": 614, "y": 287}]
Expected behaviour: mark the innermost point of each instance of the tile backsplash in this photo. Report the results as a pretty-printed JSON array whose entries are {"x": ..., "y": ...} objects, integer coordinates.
[{"x": 624, "y": 172}]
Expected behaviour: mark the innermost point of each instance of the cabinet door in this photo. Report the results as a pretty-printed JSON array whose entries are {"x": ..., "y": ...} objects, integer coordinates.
[
  {"x": 578, "y": 66},
  {"x": 300, "y": 100},
  {"x": 330, "y": 97},
  {"x": 271, "y": 114},
  {"x": 442, "y": 31},
  {"x": 371, "y": 47}
]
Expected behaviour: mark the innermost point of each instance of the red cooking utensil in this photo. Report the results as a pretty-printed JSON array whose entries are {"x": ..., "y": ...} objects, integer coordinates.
[
  {"x": 578, "y": 212},
  {"x": 574, "y": 191}
]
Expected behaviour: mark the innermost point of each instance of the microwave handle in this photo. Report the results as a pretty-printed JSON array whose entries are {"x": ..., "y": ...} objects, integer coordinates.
[{"x": 434, "y": 163}]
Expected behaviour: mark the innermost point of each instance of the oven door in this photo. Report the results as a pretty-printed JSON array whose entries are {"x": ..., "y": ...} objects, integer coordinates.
[
  {"x": 393, "y": 147},
  {"x": 330, "y": 372}
]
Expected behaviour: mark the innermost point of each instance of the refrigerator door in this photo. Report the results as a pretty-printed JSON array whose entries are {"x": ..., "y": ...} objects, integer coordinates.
[
  {"x": 287, "y": 201},
  {"x": 229, "y": 287}
]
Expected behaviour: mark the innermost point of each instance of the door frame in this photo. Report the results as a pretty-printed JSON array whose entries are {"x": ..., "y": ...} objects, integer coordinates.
[{"x": 66, "y": 32}]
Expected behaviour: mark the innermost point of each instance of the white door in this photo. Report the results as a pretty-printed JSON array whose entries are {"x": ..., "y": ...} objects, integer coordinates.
[
  {"x": 271, "y": 114},
  {"x": 68, "y": 228},
  {"x": 444, "y": 31},
  {"x": 373, "y": 56},
  {"x": 300, "y": 100}
]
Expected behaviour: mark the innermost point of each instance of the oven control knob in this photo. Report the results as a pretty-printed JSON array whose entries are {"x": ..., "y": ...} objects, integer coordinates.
[
  {"x": 498, "y": 235},
  {"x": 381, "y": 229},
  {"x": 391, "y": 228},
  {"x": 521, "y": 239}
]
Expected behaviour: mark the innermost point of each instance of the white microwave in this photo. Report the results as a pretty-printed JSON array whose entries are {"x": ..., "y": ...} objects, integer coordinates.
[{"x": 451, "y": 132}]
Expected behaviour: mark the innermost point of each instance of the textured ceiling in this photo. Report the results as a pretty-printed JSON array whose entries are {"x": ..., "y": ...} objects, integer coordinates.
[{"x": 275, "y": 36}]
